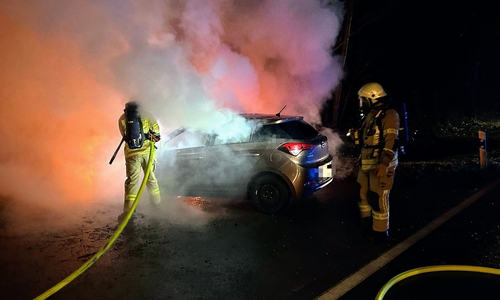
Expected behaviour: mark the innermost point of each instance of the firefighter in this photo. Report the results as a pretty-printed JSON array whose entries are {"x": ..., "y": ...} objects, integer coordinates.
[
  {"x": 378, "y": 137},
  {"x": 138, "y": 128}
]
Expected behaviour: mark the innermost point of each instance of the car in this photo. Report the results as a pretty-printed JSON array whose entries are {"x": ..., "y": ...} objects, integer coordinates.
[{"x": 281, "y": 159}]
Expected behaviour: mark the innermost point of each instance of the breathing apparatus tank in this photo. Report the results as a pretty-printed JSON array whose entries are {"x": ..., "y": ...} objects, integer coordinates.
[
  {"x": 404, "y": 132},
  {"x": 134, "y": 134}
]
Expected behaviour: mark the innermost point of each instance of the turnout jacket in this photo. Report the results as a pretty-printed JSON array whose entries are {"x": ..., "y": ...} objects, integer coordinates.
[{"x": 379, "y": 138}]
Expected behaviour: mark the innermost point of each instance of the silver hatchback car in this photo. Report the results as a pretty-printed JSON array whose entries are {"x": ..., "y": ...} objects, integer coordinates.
[{"x": 282, "y": 159}]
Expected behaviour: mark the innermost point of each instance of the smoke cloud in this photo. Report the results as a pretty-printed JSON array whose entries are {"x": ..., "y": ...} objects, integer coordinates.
[{"x": 68, "y": 66}]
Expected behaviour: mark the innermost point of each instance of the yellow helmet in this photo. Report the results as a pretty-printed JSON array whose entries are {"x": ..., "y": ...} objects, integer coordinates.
[
  {"x": 372, "y": 91},
  {"x": 369, "y": 93}
]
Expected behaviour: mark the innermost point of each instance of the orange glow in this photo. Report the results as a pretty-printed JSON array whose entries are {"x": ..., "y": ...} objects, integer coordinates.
[
  {"x": 69, "y": 66},
  {"x": 54, "y": 116},
  {"x": 201, "y": 202}
]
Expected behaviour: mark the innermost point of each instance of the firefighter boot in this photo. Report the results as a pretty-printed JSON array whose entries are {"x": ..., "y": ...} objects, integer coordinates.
[
  {"x": 127, "y": 206},
  {"x": 155, "y": 200}
]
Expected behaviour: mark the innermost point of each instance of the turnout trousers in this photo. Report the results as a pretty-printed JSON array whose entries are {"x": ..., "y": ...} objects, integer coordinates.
[
  {"x": 369, "y": 181},
  {"x": 134, "y": 164}
]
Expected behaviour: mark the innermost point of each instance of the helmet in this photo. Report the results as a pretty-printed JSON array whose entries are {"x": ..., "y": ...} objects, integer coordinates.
[
  {"x": 370, "y": 93},
  {"x": 132, "y": 105}
]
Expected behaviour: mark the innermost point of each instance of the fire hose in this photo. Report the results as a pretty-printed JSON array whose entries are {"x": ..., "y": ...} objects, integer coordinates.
[
  {"x": 113, "y": 238},
  {"x": 430, "y": 269}
]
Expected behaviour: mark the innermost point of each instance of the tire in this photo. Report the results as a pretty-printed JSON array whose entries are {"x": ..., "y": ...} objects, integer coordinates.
[{"x": 269, "y": 194}]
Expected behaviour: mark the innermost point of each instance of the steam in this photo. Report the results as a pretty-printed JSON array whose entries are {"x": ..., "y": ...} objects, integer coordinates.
[{"x": 67, "y": 68}]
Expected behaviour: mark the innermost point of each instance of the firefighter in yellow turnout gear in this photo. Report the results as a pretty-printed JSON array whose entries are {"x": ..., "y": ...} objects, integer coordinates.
[
  {"x": 378, "y": 138},
  {"x": 138, "y": 128}
]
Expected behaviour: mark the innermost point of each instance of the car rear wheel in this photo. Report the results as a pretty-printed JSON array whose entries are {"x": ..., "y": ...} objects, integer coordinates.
[{"x": 269, "y": 194}]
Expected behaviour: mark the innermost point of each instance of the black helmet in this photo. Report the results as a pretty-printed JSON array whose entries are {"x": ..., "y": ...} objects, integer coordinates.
[{"x": 132, "y": 105}]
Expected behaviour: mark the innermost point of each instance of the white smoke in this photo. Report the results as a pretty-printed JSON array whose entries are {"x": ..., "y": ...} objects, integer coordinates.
[{"x": 68, "y": 66}]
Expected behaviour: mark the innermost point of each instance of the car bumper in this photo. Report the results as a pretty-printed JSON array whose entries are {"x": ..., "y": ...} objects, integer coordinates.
[
  {"x": 317, "y": 178},
  {"x": 311, "y": 178}
]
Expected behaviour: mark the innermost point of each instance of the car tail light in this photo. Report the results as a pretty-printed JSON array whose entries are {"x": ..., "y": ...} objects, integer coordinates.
[{"x": 295, "y": 148}]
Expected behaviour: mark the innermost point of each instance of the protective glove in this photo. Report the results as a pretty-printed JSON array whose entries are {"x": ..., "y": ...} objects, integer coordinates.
[
  {"x": 381, "y": 170},
  {"x": 154, "y": 136},
  {"x": 353, "y": 134}
]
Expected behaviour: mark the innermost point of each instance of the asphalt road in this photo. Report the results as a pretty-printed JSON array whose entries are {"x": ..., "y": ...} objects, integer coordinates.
[
  {"x": 224, "y": 249},
  {"x": 469, "y": 239}
]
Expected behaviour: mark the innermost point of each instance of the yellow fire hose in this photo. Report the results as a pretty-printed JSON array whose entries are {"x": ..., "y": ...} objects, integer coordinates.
[
  {"x": 96, "y": 256},
  {"x": 430, "y": 269}
]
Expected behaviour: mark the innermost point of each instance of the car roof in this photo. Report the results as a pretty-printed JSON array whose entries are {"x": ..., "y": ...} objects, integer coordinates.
[
  {"x": 266, "y": 119},
  {"x": 271, "y": 119}
]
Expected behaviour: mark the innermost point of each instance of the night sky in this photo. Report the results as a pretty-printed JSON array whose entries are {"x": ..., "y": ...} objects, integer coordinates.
[{"x": 440, "y": 58}]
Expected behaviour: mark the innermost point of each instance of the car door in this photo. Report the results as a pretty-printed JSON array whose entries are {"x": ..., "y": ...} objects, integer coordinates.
[
  {"x": 228, "y": 166},
  {"x": 181, "y": 163}
]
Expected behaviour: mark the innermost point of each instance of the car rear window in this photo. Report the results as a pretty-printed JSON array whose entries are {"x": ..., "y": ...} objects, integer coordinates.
[
  {"x": 299, "y": 129},
  {"x": 288, "y": 130}
]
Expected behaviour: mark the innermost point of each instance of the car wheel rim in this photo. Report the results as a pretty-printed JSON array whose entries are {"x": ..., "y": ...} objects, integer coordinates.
[{"x": 268, "y": 196}]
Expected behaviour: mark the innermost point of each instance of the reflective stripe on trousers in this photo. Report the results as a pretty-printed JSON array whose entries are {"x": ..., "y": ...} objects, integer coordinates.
[
  {"x": 381, "y": 217},
  {"x": 365, "y": 210},
  {"x": 369, "y": 181}
]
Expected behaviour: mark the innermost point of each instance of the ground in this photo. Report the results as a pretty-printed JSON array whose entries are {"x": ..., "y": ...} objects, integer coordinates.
[{"x": 237, "y": 253}]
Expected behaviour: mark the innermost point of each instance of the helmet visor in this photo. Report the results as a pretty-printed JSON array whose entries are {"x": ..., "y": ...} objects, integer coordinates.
[
  {"x": 364, "y": 102},
  {"x": 367, "y": 103}
]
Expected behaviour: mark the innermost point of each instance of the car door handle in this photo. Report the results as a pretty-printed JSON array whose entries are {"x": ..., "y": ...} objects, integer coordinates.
[
  {"x": 252, "y": 154},
  {"x": 198, "y": 158}
]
